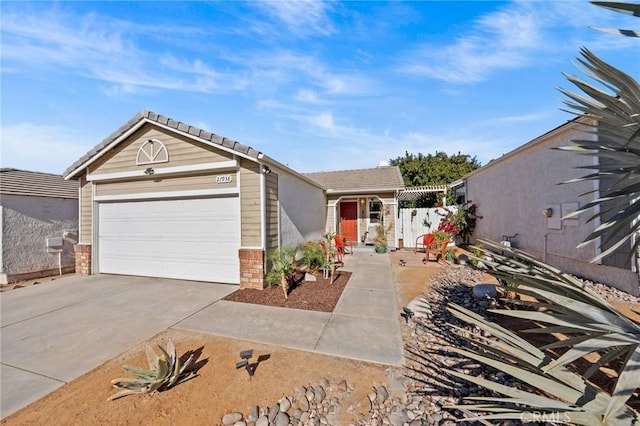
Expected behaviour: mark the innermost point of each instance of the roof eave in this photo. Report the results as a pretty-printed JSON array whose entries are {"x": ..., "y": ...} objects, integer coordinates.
[
  {"x": 364, "y": 191},
  {"x": 578, "y": 121},
  {"x": 283, "y": 168},
  {"x": 145, "y": 120}
]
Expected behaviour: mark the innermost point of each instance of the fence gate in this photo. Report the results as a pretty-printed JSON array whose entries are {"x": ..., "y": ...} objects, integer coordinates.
[{"x": 423, "y": 221}]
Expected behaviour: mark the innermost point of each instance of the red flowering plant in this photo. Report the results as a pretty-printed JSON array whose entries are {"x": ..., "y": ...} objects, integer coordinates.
[{"x": 460, "y": 221}]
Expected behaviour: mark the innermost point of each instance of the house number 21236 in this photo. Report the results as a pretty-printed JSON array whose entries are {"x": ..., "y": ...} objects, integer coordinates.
[{"x": 223, "y": 179}]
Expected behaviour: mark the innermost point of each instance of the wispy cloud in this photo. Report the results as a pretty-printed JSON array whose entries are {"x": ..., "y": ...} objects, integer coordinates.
[
  {"x": 301, "y": 17},
  {"x": 106, "y": 49},
  {"x": 495, "y": 41},
  {"x": 511, "y": 37}
]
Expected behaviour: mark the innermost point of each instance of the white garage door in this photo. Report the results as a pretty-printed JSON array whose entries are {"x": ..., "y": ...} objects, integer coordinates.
[{"x": 192, "y": 239}]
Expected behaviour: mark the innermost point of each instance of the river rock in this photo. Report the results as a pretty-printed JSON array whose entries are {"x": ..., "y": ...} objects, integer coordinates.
[
  {"x": 484, "y": 291},
  {"x": 282, "y": 419},
  {"x": 253, "y": 414},
  {"x": 303, "y": 402},
  {"x": 420, "y": 307},
  {"x": 231, "y": 418},
  {"x": 284, "y": 404},
  {"x": 320, "y": 394}
]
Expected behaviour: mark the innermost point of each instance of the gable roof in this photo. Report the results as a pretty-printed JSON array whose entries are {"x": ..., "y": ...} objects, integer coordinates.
[
  {"x": 151, "y": 117},
  {"x": 386, "y": 178},
  {"x": 577, "y": 124},
  {"x": 36, "y": 184}
]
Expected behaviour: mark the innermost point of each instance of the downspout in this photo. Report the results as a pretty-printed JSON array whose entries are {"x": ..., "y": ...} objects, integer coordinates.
[{"x": 263, "y": 216}]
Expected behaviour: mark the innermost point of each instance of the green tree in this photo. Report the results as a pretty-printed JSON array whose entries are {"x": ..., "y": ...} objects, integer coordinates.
[{"x": 433, "y": 169}]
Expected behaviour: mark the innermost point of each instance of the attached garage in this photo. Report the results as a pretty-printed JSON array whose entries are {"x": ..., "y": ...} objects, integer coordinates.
[
  {"x": 161, "y": 198},
  {"x": 193, "y": 239}
]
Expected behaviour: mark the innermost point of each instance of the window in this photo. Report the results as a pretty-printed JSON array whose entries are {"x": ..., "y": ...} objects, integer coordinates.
[
  {"x": 375, "y": 211},
  {"x": 151, "y": 152}
]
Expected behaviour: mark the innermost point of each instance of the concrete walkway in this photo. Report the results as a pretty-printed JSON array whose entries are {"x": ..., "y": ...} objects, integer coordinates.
[
  {"x": 56, "y": 332},
  {"x": 364, "y": 324}
]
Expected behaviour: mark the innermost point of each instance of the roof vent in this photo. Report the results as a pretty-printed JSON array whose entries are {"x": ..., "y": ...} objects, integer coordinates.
[{"x": 383, "y": 163}]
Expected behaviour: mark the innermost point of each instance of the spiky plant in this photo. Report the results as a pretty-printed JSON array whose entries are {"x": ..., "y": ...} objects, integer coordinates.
[
  {"x": 562, "y": 305},
  {"x": 164, "y": 372},
  {"x": 565, "y": 305},
  {"x": 614, "y": 112},
  {"x": 283, "y": 264}
]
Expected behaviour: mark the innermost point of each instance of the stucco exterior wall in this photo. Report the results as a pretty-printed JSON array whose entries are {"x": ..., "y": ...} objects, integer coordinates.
[
  {"x": 302, "y": 210},
  {"x": 512, "y": 194},
  {"x": 26, "y": 224}
]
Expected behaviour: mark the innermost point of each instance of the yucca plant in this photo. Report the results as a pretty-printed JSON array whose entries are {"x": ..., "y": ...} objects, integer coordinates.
[
  {"x": 164, "y": 372},
  {"x": 562, "y": 304}
]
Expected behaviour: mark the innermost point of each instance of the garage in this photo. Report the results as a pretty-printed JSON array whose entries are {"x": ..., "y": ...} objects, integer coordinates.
[{"x": 193, "y": 239}]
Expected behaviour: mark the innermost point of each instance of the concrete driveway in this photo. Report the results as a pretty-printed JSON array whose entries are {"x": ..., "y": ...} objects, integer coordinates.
[{"x": 55, "y": 332}]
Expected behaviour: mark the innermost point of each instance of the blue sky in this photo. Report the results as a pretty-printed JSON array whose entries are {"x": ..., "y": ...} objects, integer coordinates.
[{"x": 316, "y": 85}]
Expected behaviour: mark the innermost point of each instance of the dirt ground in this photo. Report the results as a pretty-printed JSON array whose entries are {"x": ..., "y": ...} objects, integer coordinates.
[
  {"x": 320, "y": 295},
  {"x": 219, "y": 387}
]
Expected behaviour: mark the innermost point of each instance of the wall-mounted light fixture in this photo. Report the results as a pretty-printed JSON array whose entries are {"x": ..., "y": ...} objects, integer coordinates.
[
  {"x": 265, "y": 169},
  {"x": 149, "y": 171},
  {"x": 548, "y": 212}
]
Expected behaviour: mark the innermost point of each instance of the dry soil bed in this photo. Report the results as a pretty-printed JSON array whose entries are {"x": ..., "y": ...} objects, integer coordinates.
[{"x": 219, "y": 388}]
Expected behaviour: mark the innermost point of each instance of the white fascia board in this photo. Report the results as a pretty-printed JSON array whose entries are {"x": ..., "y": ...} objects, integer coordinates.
[
  {"x": 362, "y": 191},
  {"x": 164, "y": 171},
  {"x": 206, "y": 142},
  {"x": 106, "y": 149},
  {"x": 137, "y": 126},
  {"x": 282, "y": 168},
  {"x": 167, "y": 194}
]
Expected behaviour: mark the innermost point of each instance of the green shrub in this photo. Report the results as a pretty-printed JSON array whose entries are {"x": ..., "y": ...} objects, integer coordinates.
[{"x": 311, "y": 255}]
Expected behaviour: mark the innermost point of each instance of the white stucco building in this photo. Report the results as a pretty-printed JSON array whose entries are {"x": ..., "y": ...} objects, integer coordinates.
[
  {"x": 39, "y": 224},
  {"x": 520, "y": 193}
]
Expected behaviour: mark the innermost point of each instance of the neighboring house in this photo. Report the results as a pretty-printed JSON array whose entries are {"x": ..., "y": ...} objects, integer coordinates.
[
  {"x": 519, "y": 193},
  {"x": 39, "y": 224},
  {"x": 358, "y": 200},
  {"x": 161, "y": 198}
]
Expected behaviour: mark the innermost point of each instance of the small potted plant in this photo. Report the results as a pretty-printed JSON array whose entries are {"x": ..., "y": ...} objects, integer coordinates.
[
  {"x": 450, "y": 254},
  {"x": 380, "y": 241}
]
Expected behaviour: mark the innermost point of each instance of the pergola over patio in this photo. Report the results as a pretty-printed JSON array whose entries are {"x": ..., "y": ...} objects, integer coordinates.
[{"x": 417, "y": 192}]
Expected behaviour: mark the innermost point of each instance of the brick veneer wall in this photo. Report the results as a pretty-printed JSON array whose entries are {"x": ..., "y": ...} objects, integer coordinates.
[
  {"x": 251, "y": 268},
  {"x": 83, "y": 259}
]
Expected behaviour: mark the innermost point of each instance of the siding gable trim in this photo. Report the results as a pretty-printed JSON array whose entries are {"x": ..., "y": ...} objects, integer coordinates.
[
  {"x": 164, "y": 171},
  {"x": 168, "y": 194},
  {"x": 143, "y": 121}
]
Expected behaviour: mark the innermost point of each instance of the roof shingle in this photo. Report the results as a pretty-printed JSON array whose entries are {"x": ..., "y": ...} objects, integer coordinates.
[
  {"x": 166, "y": 121},
  {"x": 374, "y": 179},
  {"x": 36, "y": 184}
]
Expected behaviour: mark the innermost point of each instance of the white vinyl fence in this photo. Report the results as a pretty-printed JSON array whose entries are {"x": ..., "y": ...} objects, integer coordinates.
[{"x": 411, "y": 226}]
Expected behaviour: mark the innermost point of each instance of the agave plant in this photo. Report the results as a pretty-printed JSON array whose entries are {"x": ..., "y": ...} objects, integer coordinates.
[
  {"x": 614, "y": 112},
  {"x": 562, "y": 304},
  {"x": 164, "y": 372}
]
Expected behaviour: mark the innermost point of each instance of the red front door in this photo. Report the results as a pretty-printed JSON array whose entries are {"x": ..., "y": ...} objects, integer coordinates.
[{"x": 349, "y": 220}]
